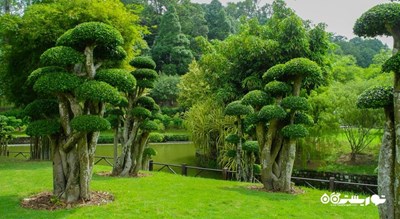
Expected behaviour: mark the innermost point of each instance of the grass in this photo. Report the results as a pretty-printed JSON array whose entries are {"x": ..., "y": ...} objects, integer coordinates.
[{"x": 163, "y": 195}]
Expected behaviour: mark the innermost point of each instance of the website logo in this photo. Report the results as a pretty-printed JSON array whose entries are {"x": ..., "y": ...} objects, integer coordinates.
[{"x": 335, "y": 199}]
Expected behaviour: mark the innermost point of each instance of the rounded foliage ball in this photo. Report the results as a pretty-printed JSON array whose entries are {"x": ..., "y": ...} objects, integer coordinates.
[
  {"x": 145, "y": 83},
  {"x": 36, "y": 74},
  {"x": 98, "y": 91},
  {"x": 295, "y": 103},
  {"x": 90, "y": 123},
  {"x": 256, "y": 99},
  {"x": 232, "y": 139},
  {"x": 144, "y": 73},
  {"x": 61, "y": 56},
  {"x": 302, "y": 118},
  {"x": 57, "y": 83},
  {"x": 147, "y": 102},
  {"x": 149, "y": 152},
  {"x": 91, "y": 33},
  {"x": 236, "y": 108},
  {"x": 148, "y": 126},
  {"x": 231, "y": 153},
  {"x": 302, "y": 67},
  {"x": 376, "y": 97},
  {"x": 119, "y": 78},
  {"x": 251, "y": 147},
  {"x": 275, "y": 73},
  {"x": 392, "y": 64},
  {"x": 43, "y": 128},
  {"x": 375, "y": 21},
  {"x": 141, "y": 112},
  {"x": 270, "y": 112},
  {"x": 294, "y": 131},
  {"x": 41, "y": 107},
  {"x": 143, "y": 62},
  {"x": 277, "y": 88}
]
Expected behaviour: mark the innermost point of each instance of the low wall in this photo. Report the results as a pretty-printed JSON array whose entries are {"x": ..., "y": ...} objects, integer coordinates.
[{"x": 344, "y": 177}]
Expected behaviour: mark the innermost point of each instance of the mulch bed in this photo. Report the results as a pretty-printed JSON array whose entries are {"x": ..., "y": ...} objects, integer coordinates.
[
  {"x": 295, "y": 190},
  {"x": 108, "y": 173},
  {"x": 46, "y": 201}
]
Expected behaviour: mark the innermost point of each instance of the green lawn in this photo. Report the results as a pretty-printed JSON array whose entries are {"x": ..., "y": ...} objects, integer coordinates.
[{"x": 163, "y": 195}]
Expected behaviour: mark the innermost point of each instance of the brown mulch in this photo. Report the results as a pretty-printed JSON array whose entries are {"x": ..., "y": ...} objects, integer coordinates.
[
  {"x": 108, "y": 173},
  {"x": 294, "y": 191},
  {"x": 46, "y": 201}
]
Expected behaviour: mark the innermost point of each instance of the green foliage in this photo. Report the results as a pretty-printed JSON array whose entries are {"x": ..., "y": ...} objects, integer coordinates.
[
  {"x": 145, "y": 83},
  {"x": 231, "y": 153},
  {"x": 144, "y": 73},
  {"x": 156, "y": 137},
  {"x": 36, "y": 74},
  {"x": 251, "y": 147},
  {"x": 149, "y": 152},
  {"x": 392, "y": 64},
  {"x": 277, "y": 88},
  {"x": 119, "y": 78},
  {"x": 147, "y": 102},
  {"x": 98, "y": 91},
  {"x": 61, "y": 56},
  {"x": 42, "y": 108},
  {"x": 171, "y": 48},
  {"x": 43, "y": 128},
  {"x": 90, "y": 123},
  {"x": 295, "y": 103},
  {"x": 166, "y": 89},
  {"x": 302, "y": 67},
  {"x": 270, "y": 112},
  {"x": 141, "y": 112},
  {"x": 294, "y": 131},
  {"x": 57, "y": 83},
  {"x": 232, "y": 139},
  {"x": 91, "y": 33},
  {"x": 376, "y": 97},
  {"x": 276, "y": 72},
  {"x": 363, "y": 50},
  {"x": 36, "y": 29},
  {"x": 236, "y": 108},
  {"x": 378, "y": 20},
  {"x": 256, "y": 99},
  {"x": 219, "y": 24},
  {"x": 148, "y": 126},
  {"x": 302, "y": 118},
  {"x": 143, "y": 62}
]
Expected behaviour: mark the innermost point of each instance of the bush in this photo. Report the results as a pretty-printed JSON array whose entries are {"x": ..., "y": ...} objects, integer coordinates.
[
  {"x": 90, "y": 123},
  {"x": 98, "y": 91},
  {"x": 176, "y": 137},
  {"x": 105, "y": 139},
  {"x": 119, "y": 78},
  {"x": 143, "y": 62},
  {"x": 156, "y": 137}
]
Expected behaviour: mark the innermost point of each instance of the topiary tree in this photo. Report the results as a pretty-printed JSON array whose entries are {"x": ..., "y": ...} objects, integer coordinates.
[
  {"x": 375, "y": 98},
  {"x": 134, "y": 119},
  {"x": 384, "y": 19},
  {"x": 237, "y": 109},
  {"x": 278, "y": 121},
  {"x": 81, "y": 98}
]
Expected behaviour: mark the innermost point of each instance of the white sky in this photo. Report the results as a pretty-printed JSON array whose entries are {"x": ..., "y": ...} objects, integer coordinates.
[{"x": 339, "y": 15}]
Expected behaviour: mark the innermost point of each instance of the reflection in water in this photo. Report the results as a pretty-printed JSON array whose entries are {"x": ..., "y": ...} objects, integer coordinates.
[{"x": 177, "y": 153}]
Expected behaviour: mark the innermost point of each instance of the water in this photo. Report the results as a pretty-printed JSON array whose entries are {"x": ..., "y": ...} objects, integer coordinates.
[{"x": 171, "y": 153}]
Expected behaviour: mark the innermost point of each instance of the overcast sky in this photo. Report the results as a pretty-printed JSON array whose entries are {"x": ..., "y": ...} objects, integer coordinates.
[{"x": 339, "y": 15}]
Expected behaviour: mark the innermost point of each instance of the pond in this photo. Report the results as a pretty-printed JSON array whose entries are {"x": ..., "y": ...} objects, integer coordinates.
[{"x": 172, "y": 153}]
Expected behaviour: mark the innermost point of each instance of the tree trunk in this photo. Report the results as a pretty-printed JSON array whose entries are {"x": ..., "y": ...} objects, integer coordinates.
[
  {"x": 386, "y": 168},
  {"x": 239, "y": 169},
  {"x": 396, "y": 103},
  {"x": 139, "y": 156}
]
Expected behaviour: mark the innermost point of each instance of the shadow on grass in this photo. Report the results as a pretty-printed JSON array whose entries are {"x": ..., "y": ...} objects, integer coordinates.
[{"x": 273, "y": 196}]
